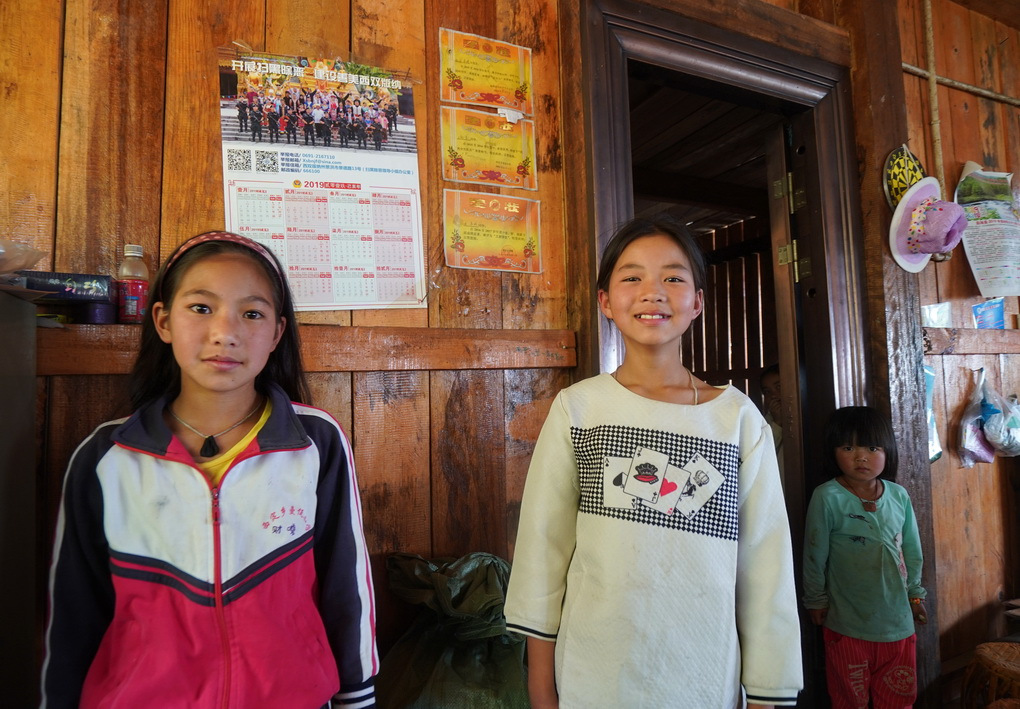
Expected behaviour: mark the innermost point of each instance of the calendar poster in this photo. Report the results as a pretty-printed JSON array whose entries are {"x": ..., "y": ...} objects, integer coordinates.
[
  {"x": 320, "y": 165},
  {"x": 491, "y": 231}
]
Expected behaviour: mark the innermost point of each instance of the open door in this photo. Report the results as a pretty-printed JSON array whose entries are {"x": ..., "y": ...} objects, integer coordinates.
[{"x": 785, "y": 272}]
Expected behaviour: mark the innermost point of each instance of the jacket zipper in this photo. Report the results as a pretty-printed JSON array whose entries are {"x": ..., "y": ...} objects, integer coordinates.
[{"x": 221, "y": 620}]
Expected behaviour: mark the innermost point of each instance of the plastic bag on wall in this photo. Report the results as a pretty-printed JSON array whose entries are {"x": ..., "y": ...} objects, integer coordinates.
[
  {"x": 974, "y": 446},
  {"x": 15, "y": 256},
  {"x": 934, "y": 444},
  {"x": 1002, "y": 422}
]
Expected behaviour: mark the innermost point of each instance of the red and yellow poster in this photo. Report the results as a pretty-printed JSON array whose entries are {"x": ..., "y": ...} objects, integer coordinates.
[
  {"x": 491, "y": 231},
  {"x": 484, "y": 72},
  {"x": 485, "y": 149}
]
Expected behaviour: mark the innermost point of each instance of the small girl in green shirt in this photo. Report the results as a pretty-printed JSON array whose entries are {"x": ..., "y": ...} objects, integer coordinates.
[{"x": 862, "y": 565}]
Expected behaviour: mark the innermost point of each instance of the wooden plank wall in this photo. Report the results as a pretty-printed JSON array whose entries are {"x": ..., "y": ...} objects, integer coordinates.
[
  {"x": 974, "y": 510},
  {"x": 115, "y": 105}
]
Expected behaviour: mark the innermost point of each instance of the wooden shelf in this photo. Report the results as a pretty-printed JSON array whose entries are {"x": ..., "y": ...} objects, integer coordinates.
[
  {"x": 965, "y": 341},
  {"x": 110, "y": 349}
]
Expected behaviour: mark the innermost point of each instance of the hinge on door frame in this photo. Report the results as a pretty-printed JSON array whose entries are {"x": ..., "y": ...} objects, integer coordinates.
[
  {"x": 787, "y": 254},
  {"x": 796, "y": 262},
  {"x": 789, "y": 191}
]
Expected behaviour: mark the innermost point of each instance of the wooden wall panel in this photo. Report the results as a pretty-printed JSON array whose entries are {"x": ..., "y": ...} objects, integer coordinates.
[
  {"x": 1007, "y": 12},
  {"x": 538, "y": 300},
  {"x": 1009, "y": 65},
  {"x": 818, "y": 9},
  {"x": 111, "y": 133},
  {"x": 392, "y": 449},
  {"x": 961, "y": 141},
  {"x": 75, "y": 407},
  {"x": 331, "y": 392},
  {"x": 30, "y": 67},
  {"x": 974, "y": 510},
  {"x": 974, "y": 530},
  {"x": 391, "y": 34},
  {"x": 973, "y": 49},
  {"x": 773, "y": 23},
  {"x": 468, "y": 463},
  {"x": 391, "y": 435},
  {"x": 192, "y": 190},
  {"x": 1009, "y": 383},
  {"x": 529, "y": 394},
  {"x": 985, "y": 42},
  {"x": 460, "y": 297},
  {"x": 579, "y": 228},
  {"x": 308, "y": 27}
]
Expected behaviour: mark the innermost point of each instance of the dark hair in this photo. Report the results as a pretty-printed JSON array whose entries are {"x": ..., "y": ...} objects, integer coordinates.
[
  {"x": 771, "y": 369},
  {"x": 156, "y": 372},
  {"x": 663, "y": 225},
  {"x": 859, "y": 426}
]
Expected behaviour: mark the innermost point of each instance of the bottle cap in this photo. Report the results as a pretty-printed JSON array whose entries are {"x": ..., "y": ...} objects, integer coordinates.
[{"x": 133, "y": 250}]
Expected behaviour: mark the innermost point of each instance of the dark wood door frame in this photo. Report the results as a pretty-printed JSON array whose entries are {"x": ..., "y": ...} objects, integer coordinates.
[{"x": 617, "y": 31}]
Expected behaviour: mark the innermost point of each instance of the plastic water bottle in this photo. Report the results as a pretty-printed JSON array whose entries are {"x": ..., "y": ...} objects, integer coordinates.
[{"x": 132, "y": 286}]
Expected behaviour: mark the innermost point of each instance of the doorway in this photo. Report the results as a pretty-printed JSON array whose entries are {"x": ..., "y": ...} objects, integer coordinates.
[{"x": 751, "y": 144}]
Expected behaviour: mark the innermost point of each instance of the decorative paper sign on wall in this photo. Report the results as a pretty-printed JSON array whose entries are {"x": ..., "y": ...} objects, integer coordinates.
[
  {"x": 491, "y": 231},
  {"x": 483, "y": 148},
  {"x": 484, "y": 72}
]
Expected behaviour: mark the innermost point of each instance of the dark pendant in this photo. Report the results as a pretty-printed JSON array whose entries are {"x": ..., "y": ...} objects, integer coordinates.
[
  {"x": 209, "y": 449},
  {"x": 869, "y": 506}
]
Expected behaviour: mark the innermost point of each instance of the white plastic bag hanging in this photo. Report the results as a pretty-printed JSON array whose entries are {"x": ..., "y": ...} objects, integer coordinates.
[
  {"x": 934, "y": 445},
  {"x": 974, "y": 447},
  {"x": 1002, "y": 422}
]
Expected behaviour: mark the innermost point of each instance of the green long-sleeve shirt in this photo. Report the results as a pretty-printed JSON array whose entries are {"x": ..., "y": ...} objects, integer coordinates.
[{"x": 863, "y": 566}]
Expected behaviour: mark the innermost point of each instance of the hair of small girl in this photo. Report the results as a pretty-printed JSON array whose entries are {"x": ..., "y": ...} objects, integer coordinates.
[
  {"x": 156, "y": 372},
  {"x": 771, "y": 369},
  {"x": 659, "y": 225},
  {"x": 859, "y": 426}
]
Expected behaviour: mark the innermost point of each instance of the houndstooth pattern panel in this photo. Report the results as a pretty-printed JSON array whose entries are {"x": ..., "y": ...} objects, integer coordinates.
[{"x": 718, "y": 518}]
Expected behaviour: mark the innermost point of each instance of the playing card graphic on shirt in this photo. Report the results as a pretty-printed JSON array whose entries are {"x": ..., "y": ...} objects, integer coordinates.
[
  {"x": 645, "y": 475},
  {"x": 702, "y": 482},
  {"x": 614, "y": 476},
  {"x": 669, "y": 492}
]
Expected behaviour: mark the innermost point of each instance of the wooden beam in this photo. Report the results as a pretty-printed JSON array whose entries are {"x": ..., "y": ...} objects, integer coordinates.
[
  {"x": 1005, "y": 12},
  {"x": 967, "y": 341},
  {"x": 110, "y": 349},
  {"x": 676, "y": 189},
  {"x": 764, "y": 21},
  {"x": 895, "y": 373}
]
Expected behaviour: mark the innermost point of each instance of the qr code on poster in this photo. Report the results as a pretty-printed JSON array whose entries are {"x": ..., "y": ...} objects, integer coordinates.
[
  {"x": 267, "y": 161},
  {"x": 239, "y": 160}
]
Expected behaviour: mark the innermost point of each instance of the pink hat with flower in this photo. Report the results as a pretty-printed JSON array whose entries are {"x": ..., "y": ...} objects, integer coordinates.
[{"x": 923, "y": 225}]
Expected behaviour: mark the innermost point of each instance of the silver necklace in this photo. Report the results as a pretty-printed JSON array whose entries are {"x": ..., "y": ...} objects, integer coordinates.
[
  {"x": 690, "y": 383},
  {"x": 868, "y": 505},
  {"x": 210, "y": 447}
]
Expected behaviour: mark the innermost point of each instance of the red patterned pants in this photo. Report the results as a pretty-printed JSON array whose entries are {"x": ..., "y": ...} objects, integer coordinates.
[{"x": 861, "y": 670}]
